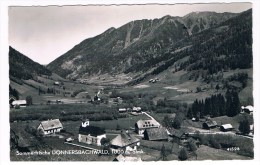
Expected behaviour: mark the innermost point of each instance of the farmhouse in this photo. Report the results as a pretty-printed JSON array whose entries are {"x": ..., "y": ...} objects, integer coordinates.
[
  {"x": 178, "y": 136},
  {"x": 50, "y": 126},
  {"x": 121, "y": 158},
  {"x": 226, "y": 127},
  {"x": 91, "y": 134},
  {"x": 209, "y": 124},
  {"x": 248, "y": 109},
  {"x": 125, "y": 142},
  {"x": 137, "y": 109},
  {"x": 156, "y": 134},
  {"x": 21, "y": 103},
  {"x": 141, "y": 125}
]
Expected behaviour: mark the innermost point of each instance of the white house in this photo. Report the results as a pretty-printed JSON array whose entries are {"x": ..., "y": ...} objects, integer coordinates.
[
  {"x": 50, "y": 126},
  {"x": 137, "y": 109},
  {"x": 248, "y": 109},
  {"x": 21, "y": 103},
  {"x": 91, "y": 134}
]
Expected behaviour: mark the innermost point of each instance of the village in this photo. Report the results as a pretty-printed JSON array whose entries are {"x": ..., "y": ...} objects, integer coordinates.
[{"x": 137, "y": 134}]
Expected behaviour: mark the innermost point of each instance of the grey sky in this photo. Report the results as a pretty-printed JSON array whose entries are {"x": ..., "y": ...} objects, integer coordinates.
[{"x": 45, "y": 33}]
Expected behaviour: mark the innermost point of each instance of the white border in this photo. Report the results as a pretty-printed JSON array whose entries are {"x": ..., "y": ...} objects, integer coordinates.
[{"x": 4, "y": 125}]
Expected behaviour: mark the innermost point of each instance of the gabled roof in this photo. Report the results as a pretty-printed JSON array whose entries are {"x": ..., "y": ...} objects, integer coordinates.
[
  {"x": 147, "y": 124},
  {"x": 51, "y": 124},
  {"x": 249, "y": 107},
  {"x": 91, "y": 130},
  {"x": 210, "y": 123},
  {"x": 122, "y": 158},
  {"x": 123, "y": 140},
  {"x": 227, "y": 126},
  {"x": 19, "y": 102},
  {"x": 156, "y": 133},
  {"x": 177, "y": 133}
]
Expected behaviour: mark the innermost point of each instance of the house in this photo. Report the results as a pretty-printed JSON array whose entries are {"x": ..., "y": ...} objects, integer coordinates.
[
  {"x": 156, "y": 134},
  {"x": 226, "y": 127},
  {"x": 209, "y": 124},
  {"x": 178, "y": 135},
  {"x": 141, "y": 125},
  {"x": 122, "y": 110},
  {"x": 50, "y": 126},
  {"x": 248, "y": 109},
  {"x": 137, "y": 109},
  {"x": 56, "y": 83},
  {"x": 91, "y": 134},
  {"x": 125, "y": 142},
  {"x": 20, "y": 103},
  {"x": 121, "y": 158}
]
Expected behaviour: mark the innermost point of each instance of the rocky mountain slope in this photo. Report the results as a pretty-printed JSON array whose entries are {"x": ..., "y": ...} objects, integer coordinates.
[{"x": 138, "y": 45}]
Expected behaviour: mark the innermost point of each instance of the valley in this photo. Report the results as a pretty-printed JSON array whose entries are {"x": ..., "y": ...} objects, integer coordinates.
[{"x": 172, "y": 88}]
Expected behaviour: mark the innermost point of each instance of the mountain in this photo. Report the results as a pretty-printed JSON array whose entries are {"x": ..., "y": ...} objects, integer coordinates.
[
  {"x": 22, "y": 67},
  {"x": 136, "y": 46}
]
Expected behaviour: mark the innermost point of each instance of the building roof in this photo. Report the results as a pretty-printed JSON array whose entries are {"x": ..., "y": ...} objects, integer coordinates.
[
  {"x": 122, "y": 158},
  {"x": 176, "y": 133},
  {"x": 147, "y": 124},
  {"x": 249, "y": 107},
  {"x": 19, "y": 102},
  {"x": 156, "y": 133},
  {"x": 91, "y": 130},
  {"x": 51, "y": 124},
  {"x": 124, "y": 139},
  {"x": 227, "y": 126},
  {"x": 210, "y": 123},
  {"x": 122, "y": 109},
  {"x": 137, "y": 108}
]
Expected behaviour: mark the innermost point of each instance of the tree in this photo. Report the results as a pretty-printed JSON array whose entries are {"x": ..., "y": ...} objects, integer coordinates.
[
  {"x": 189, "y": 113},
  {"x": 29, "y": 100},
  {"x": 232, "y": 104},
  {"x": 244, "y": 126},
  {"x": 183, "y": 155},
  {"x": 192, "y": 146},
  {"x": 217, "y": 87},
  {"x": 178, "y": 121},
  {"x": 166, "y": 121},
  {"x": 163, "y": 153}
]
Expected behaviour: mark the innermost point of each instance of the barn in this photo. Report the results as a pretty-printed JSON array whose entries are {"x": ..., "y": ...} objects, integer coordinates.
[
  {"x": 178, "y": 136},
  {"x": 209, "y": 124},
  {"x": 91, "y": 134},
  {"x": 156, "y": 134},
  {"x": 226, "y": 127},
  {"x": 20, "y": 103},
  {"x": 122, "y": 110},
  {"x": 141, "y": 125}
]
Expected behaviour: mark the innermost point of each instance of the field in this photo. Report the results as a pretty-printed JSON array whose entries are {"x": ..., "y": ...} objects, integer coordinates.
[{"x": 169, "y": 96}]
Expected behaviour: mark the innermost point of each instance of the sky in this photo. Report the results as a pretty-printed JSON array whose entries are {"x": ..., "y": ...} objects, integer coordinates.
[{"x": 44, "y": 33}]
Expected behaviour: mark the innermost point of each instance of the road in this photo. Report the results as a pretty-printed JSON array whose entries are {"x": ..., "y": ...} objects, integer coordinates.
[{"x": 214, "y": 132}]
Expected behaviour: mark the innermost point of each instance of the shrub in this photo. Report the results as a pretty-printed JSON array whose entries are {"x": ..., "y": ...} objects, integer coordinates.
[{"x": 183, "y": 155}]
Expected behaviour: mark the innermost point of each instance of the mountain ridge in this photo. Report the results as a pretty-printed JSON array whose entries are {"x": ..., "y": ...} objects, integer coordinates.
[{"x": 118, "y": 49}]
